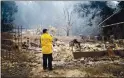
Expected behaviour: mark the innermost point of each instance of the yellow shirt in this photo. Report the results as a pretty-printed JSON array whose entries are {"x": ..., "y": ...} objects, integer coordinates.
[{"x": 46, "y": 43}]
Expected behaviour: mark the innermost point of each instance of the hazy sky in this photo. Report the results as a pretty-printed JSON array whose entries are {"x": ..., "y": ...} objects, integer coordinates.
[{"x": 33, "y": 13}]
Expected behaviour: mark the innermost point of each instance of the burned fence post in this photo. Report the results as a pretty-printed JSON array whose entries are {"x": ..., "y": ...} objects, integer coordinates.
[
  {"x": 103, "y": 38},
  {"x": 18, "y": 38}
]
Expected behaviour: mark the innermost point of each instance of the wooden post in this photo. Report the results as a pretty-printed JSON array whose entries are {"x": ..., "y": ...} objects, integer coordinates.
[
  {"x": 21, "y": 37},
  {"x": 88, "y": 37},
  {"x": 6, "y": 51},
  {"x": 103, "y": 38},
  {"x": 9, "y": 57},
  {"x": 15, "y": 35},
  {"x": 18, "y": 38}
]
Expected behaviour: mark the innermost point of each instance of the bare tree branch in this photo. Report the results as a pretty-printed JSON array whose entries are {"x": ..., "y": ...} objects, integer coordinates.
[
  {"x": 70, "y": 16},
  {"x": 67, "y": 14},
  {"x": 64, "y": 29},
  {"x": 64, "y": 14}
]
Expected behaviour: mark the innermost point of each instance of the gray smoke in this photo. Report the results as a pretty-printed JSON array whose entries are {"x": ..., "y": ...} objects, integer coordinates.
[{"x": 45, "y": 13}]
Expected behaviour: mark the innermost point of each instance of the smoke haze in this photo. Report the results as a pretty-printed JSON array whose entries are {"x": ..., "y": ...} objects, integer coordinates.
[{"x": 32, "y": 14}]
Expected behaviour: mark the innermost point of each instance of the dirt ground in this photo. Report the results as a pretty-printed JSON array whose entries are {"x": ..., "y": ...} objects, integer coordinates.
[
  {"x": 64, "y": 64},
  {"x": 87, "y": 67}
]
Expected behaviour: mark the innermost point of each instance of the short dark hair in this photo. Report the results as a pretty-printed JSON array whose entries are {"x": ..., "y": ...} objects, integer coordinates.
[{"x": 44, "y": 30}]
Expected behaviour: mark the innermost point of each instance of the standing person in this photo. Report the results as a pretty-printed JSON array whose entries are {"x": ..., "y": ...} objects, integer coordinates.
[{"x": 46, "y": 44}]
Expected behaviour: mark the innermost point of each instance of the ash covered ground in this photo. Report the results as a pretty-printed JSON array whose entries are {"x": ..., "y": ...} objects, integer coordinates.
[
  {"x": 65, "y": 65},
  {"x": 29, "y": 61}
]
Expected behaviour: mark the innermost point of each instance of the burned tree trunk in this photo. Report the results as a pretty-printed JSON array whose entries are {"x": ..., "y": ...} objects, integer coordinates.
[{"x": 67, "y": 32}]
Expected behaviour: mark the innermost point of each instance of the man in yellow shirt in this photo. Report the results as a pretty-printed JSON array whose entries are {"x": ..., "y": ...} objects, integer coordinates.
[{"x": 46, "y": 44}]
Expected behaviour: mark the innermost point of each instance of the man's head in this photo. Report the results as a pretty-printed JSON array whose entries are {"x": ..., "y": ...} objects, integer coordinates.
[{"x": 45, "y": 31}]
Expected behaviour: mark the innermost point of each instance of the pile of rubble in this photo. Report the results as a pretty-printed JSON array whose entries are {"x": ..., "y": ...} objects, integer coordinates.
[
  {"x": 62, "y": 52},
  {"x": 95, "y": 46}
]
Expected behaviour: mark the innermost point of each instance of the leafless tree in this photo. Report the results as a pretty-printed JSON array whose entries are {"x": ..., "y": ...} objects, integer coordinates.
[{"x": 68, "y": 17}]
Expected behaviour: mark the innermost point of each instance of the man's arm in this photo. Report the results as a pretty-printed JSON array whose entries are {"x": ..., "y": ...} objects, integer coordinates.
[{"x": 50, "y": 38}]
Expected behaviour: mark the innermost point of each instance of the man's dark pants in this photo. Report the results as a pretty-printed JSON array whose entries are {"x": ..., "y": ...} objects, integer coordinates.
[{"x": 47, "y": 61}]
